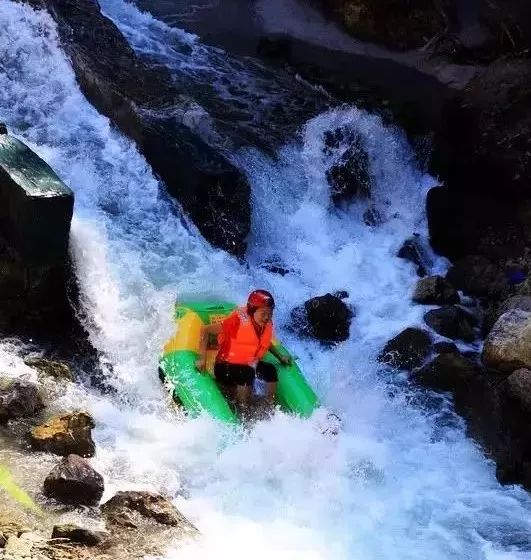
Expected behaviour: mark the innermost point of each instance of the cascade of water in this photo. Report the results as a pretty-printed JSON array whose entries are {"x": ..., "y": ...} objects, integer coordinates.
[{"x": 397, "y": 482}]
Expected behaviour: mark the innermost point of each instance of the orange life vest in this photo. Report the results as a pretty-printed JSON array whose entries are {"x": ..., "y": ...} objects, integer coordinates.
[{"x": 245, "y": 347}]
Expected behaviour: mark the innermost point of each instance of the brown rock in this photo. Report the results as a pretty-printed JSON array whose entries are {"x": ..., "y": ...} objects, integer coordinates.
[
  {"x": 518, "y": 389},
  {"x": 407, "y": 350},
  {"x": 74, "y": 481},
  {"x": 121, "y": 507},
  {"x": 66, "y": 434},
  {"x": 508, "y": 345},
  {"x": 435, "y": 290},
  {"x": 453, "y": 322}
]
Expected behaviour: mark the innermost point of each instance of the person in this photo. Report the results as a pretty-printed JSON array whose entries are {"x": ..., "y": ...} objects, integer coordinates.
[{"x": 244, "y": 338}]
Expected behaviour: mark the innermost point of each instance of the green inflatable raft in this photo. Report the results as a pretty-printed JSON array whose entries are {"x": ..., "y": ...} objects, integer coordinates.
[{"x": 197, "y": 391}]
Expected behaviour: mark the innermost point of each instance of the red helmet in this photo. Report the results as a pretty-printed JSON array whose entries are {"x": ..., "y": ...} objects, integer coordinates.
[{"x": 260, "y": 298}]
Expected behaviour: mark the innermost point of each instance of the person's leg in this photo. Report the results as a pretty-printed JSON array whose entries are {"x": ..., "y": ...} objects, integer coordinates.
[
  {"x": 268, "y": 373},
  {"x": 243, "y": 377},
  {"x": 225, "y": 382}
]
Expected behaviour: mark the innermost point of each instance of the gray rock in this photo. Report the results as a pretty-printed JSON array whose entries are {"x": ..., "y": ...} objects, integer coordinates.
[
  {"x": 413, "y": 252},
  {"x": 74, "y": 481},
  {"x": 78, "y": 534},
  {"x": 448, "y": 372},
  {"x": 407, "y": 350},
  {"x": 452, "y": 322},
  {"x": 445, "y": 347},
  {"x": 50, "y": 368},
  {"x": 518, "y": 390},
  {"x": 508, "y": 345},
  {"x": 19, "y": 399},
  {"x": 121, "y": 508},
  {"x": 435, "y": 290}
]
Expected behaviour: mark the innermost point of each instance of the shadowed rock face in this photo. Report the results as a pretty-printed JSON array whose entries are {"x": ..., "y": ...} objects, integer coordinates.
[{"x": 141, "y": 102}]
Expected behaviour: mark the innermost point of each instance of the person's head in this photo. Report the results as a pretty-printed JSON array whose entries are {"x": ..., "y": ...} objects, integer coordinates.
[{"x": 260, "y": 305}]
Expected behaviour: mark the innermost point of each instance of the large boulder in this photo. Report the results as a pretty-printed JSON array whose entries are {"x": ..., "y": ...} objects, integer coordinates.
[
  {"x": 508, "y": 345},
  {"x": 326, "y": 318},
  {"x": 136, "y": 98},
  {"x": 18, "y": 399},
  {"x": 452, "y": 321},
  {"x": 479, "y": 277},
  {"x": 74, "y": 481},
  {"x": 64, "y": 435},
  {"x": 127, "y": 509},
  {"x": 435, "y": 290},
  {"x": 348, "y": 176},
  {"x": 496, "y": 310},
  {"x": 449, "y": 371},
  {"x": 407, "y": 350}
]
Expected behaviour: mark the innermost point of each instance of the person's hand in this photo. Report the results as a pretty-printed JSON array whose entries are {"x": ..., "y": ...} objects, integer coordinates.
[
  {"x": 200, "y": 364},
  {"x": 285, "y": 360}
]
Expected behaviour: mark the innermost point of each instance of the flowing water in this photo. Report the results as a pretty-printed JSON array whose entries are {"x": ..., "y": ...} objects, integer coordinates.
[{"x": 400, "y": 481}]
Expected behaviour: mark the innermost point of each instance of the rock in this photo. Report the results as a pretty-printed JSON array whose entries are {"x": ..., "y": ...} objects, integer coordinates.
[
  {"x": 349, "y": 175},
  {"x": 50, "y": 368},
  {"x": 326, "y": 318},
  {"x": 477, "y": 276},
  {"x": 396, "y": 24},
  {"x": 78, "y": 534},
  {"x": 65, "y": 435},
  {"x": 518, "y": 390},
  {"x": 35, "y": 205},
  {"x": 448, "y": 372},
  {"x": 508, "y": 346},
  {"x": 495, "y": 311},
  {"x": 3, "y": 128},
  {"x": 407, "y": 350},
  {"x": 3, "y": 541},
  {"x": 74, "y": 481},
  {"x": 136, "y": 98},
  {"x": 435, "y": 290},
  {"x": 372, "y": 217},
  {"x": 445, "y": 347},
  {"x": 19, "y": 399},
  {"x": 121, "y": 507},
  {"x": 413, "y": 252},
  {"x": 453, "y": 322}
]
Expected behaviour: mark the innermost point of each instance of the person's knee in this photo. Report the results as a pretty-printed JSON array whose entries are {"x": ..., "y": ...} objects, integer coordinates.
[{"x": 267, "y": 372}]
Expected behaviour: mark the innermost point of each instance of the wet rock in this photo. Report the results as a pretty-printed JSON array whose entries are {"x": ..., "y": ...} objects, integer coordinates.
[
  {"x": 50, "y": 368},
  {"x": 18, "y": 399},
  {"x": 65, "y": 435},
  {"x": 477, "y": 276},
  {"x": 325, "y": 318},
  {"x": 399, "y": 25},
  {"x": 121, "y": 509},
  {"x": 407, "y": 350},
  {"x": 445, "y": 347},
  {"x": 3, "y": 128},
  {"x": 146, "y": 105},
  {"x": 3, "y": 540},
  {"x": 413, "y": 252},
  {"x": 78, "y": 534},
  {"x": 74, "y": 481},
  {"x": 448, "y": 372},
  {"x": 518, "y": 391},
  {"x": 508, "y": 346},
  {"x": 453, "y": 322},
  {"x": 371, "y": 217},
  {"x": 495, "y": 310},
  {"x": 435, "y": 290},
  {"x": 349, "y": 175}
]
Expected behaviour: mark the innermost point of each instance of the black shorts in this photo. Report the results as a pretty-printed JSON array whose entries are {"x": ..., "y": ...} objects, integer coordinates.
[{"x": 235, "y": 374}]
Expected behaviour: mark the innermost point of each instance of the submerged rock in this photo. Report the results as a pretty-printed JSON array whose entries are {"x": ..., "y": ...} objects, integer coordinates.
[
  {"x": 18, "y": 399},
  {"x": 65, "y": 435},
  {"x": 74, "y": 481},
  {"x": 453, "y": 322},
  {"x": 435, "y": 290},
  {"x": 326, "y": 318},
  {"x": 407, "y": 350},
  {"x": 121, "y": 509},
  {"x": 508, "y": 346}
]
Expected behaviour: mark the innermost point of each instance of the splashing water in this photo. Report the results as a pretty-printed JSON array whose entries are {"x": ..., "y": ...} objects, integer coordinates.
[{"x": 396, "y": 483}]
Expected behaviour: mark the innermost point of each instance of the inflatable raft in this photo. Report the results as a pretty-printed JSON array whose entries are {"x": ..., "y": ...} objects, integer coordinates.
[{"x": 197, "y": 391}]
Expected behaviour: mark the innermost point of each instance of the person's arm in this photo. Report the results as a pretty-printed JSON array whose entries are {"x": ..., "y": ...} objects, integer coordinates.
[
  {"x": 206, "y": 330},
  {"x": 284, "y": 360}
]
